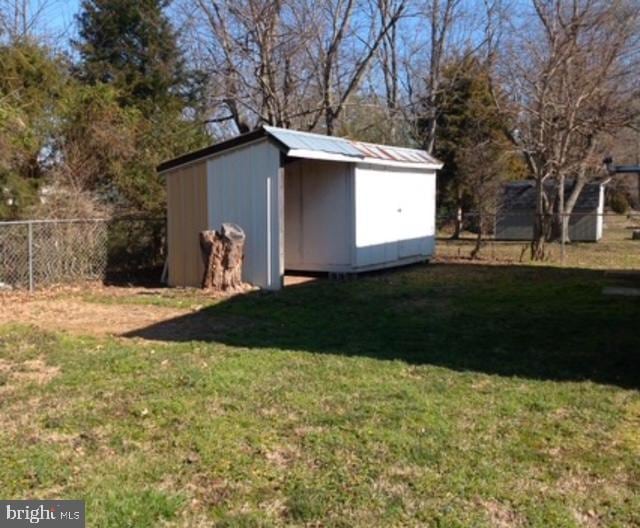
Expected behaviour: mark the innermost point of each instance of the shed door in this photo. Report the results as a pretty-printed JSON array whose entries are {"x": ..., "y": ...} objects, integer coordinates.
[
  {"x": 377, "y": 217},
  {"x": 412, "y": 197},
  {"x": 395, "y": 214}
]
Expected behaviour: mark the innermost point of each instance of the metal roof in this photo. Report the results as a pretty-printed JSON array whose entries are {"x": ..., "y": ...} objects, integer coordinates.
[
  {"x": 520, "y": 195},
  {"x": 626, "y": 169},
  {"x": 302, "y": 144},
  {"x": 307, "y": 145},
  {"x": 295, "y": 140}
]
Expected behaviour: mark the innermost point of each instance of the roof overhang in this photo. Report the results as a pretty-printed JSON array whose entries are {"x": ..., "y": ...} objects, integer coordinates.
[
  {"x": 328, "y": 156},
  {"x": 212, "y": 150}
]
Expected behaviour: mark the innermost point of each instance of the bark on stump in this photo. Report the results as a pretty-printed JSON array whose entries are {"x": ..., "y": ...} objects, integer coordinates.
[{"x": 222, "y": 253}]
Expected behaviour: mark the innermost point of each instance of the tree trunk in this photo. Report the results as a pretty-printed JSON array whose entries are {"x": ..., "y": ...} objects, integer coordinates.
[
  {"x": 457, "y": 229},
  {"x": 222, "y": 253},
  {"x": 476, "y": 250},
  {"x": 542, "y": 233},
  {"x": 559, "y": 230},
  {"x": 564, "y": 233},
  {"x": 565, "y": 228},
  {"x": 540, "y": 225},
  {"x": 570, "y": 203}
]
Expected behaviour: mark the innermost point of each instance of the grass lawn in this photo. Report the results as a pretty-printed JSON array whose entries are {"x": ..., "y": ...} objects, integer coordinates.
[{"x": 441, "y": 395}]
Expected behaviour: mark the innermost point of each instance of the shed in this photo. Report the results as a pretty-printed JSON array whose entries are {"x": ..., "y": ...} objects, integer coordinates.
[
  {"x": 515, "y": 219},
  {"x": 306, "y": 202}
]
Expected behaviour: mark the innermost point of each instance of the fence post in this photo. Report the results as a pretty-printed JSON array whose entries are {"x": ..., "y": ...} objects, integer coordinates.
[
  {"x": 563, "y": 219},
  {"x": 30, "y": 243}
]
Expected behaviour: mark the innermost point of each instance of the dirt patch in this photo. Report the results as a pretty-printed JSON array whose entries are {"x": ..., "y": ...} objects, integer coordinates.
[
  {"x": 587, "y": 519},
  {"x": 30, "y": 371},
  {"x": 160, "y": 314},
  {"x": 35, "y": 371},
  {"x": 86, "y": 318},
  {"x": 91, "y": 291},
  {"x": 144, "y": 321},
  {"x": 281, "y": 457},
  {"x": 501, "y": 515}
]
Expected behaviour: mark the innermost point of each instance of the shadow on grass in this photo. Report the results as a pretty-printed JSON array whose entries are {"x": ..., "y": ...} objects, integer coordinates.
[
  {"x": 143, "y": 278},
  {"x": 534, "y": 322}
]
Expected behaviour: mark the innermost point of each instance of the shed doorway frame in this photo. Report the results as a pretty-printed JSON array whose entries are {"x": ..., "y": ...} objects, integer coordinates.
[{"x": 318, "y": 219}]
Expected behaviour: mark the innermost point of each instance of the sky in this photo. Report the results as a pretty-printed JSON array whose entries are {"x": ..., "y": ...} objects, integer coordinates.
[
  {"x": 62, "y": 13},
  {"x": 56, "y": 17}
]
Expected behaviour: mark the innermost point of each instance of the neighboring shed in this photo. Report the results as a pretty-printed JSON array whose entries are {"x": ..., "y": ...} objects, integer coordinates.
[
  {"x": 306, "y": 202},
  {"x": 518, "y": 205}
]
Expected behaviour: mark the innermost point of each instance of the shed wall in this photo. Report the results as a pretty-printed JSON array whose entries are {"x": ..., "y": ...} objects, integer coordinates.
[
  {"x": 515, "y": 225},
  {"x": 394, "y": 215},
  {"x": 187, "y": 215},
  {"x": 245, "y": 186}
]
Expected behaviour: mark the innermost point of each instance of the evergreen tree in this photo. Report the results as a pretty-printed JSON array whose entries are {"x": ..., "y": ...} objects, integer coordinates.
[
  {"x": 131, "y": 45},
  {"x": 32, "y": 81},
  {"x": 471, "y": 141}
]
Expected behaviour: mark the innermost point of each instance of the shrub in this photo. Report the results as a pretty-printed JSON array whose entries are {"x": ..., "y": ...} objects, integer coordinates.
[{"x": 619, "y": 202}]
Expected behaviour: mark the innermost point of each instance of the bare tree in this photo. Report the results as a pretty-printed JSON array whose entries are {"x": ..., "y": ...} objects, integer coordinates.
[
  {"x": 24, "y": 19},
  {"x": 285, "y": 62},
  {"x": 389, "y": 54},
  {"x": 441, "y": 15},
  {"x": 339, "y": 64},
  {"x": 455, "y": 31},
  {"x": 15, "y": 18},
  {"x": 253, "y": 52},
  {"x": 385, "y": 87},
  {"x": 570, "y": 81}
]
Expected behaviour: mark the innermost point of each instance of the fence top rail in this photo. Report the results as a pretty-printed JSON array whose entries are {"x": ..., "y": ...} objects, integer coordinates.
[
  {"x": 77, "y": 220},
  {"x": 631, "y": 214},
  {"x": 52, "y": 221}
]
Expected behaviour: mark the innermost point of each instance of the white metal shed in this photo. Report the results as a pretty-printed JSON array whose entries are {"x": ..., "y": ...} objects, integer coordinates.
[{"x": 306, "y": 202}]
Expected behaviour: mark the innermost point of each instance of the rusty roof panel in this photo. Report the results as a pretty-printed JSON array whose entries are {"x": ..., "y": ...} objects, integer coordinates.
[{"x": 386, "y": 152}]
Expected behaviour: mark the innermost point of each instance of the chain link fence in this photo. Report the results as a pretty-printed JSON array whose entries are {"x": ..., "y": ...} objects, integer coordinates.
[
  {"x": 606, "y": 240},
  {"x": 40, "y": 253}
]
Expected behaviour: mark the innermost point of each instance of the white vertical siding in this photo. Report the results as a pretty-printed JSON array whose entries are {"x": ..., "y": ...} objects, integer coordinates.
[
  {"x": 600, "y": 217},
  {"x": 244, "y": 187},
  {"x": 394, "y": 214},
  {"x": 318, "y": 221}
]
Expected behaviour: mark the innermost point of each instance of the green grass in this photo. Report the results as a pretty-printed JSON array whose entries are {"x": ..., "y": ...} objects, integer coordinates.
[{"x": 440, "y": 395}]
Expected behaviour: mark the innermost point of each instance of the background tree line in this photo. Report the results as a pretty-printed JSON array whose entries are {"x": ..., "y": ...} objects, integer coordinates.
[{"x": 499, "y": 89}]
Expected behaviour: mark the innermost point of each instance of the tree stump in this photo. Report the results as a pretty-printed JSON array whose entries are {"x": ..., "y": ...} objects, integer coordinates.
[{"x": 223, "y": 254}]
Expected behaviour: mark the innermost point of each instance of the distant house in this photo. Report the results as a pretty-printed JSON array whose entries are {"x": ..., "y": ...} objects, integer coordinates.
[{"x": 518, "y": 205}]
